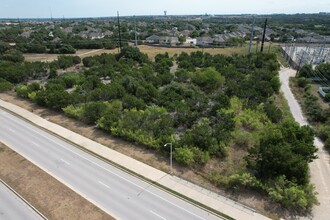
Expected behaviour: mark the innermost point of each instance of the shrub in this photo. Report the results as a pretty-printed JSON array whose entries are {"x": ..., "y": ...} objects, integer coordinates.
[
  {"x": 302, "y": 82},
  {"x": 22, "y": 91},
  {"x": 73, "y": 112},
  {"x": 243, "y": 180},
  {"x": 273, "y": 112},
  {"x": 35, "y": 86},
  {"x": 243, "y": 139},
  {"x": 5, "y": 85},
  {"x": 293, "y": 196},
  {"x": 32, "y": 96},
  {"x": 323, "y": 132},
  {"x": 327, "y": 144},
  {"x": 200, "y": 157},
  {"x": 184, "y": 155},
  {"x": 76, "y": 60}
]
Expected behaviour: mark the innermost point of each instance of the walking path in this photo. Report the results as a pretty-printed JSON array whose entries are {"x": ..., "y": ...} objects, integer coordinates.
[
  {"x": 319, "y": 168},
  {"x": 190, "y": 190}
]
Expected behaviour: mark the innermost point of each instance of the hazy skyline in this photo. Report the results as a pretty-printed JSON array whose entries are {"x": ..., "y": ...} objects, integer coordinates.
[{"x": 104, "y": 8}]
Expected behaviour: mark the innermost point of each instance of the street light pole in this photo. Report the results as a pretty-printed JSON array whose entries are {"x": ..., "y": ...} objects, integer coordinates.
[{"x": 171, "y": 156}]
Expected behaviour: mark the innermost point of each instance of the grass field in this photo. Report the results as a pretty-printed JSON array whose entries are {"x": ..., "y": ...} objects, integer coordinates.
[{"x": 153, "y": 51}]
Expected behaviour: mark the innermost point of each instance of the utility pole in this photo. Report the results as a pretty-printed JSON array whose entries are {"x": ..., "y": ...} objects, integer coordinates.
[
  {"x": 51, "y": 14},
  {"x": 135, "y": 37},
  {"x": 263, "y": 37},
  {"x": 251, "y": 37},
  {"x": 119, "y": 34}
]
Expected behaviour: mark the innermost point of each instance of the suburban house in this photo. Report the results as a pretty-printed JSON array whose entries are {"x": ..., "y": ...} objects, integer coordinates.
[
  {"x": 152, "y": 39},
  {"x": 190, "y": 41},
  {"x": 204, "y": 41},
  {"x": 168, "y": 40},
  {"x": 315, "y": 38},
  {"x": 219, "y": 39},
  {"x": 26, "y": 34}
]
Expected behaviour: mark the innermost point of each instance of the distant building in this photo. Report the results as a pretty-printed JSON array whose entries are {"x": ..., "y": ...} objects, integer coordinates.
[
  {"x": 190, "y": 41},
  {"x": 204, "y": 41},
  {"x": 26, "y": 34},
  {"x": 152, "y": 39},
  {"x": 219, "y": 39},
  {"x": 168, "y": 40}
]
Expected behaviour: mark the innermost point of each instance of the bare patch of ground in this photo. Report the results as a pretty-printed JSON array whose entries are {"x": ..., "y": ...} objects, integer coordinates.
[
  {"x": 149, "y": 50},
  {"x": 52, "y": 198},
  {"x": 51, "y": 57},
  {"x": 155, "y": 159}
]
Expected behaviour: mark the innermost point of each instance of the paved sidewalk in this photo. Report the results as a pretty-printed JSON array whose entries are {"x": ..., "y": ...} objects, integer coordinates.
[
  {"x": 320, "y": 167},
  {"x": 197, "y": 193}
]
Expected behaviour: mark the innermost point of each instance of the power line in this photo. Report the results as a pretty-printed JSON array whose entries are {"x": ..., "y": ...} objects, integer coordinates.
[
  {"x": 119, "y": 34},
  {"x": 263, "y": 36}
]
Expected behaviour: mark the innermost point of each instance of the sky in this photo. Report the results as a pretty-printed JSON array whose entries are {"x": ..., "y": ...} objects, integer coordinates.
[{"x": 105, "y": 8}]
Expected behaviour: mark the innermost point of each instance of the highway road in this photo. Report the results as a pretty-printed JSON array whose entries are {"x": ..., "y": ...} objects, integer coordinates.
[
  {"x": 319, "y": 168},
  {"x": 12, "y": 207},
  {"x": 113, "y": 190}
]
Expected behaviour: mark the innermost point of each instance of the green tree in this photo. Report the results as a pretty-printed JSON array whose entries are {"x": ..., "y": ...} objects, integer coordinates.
[
  {"x": 5, "y": 85},
  {"x": 93, "y": 111},
  {"x": 283, "y": 150},
  {"x": 200, "y": 135},
  {"x": 111, "y": 117},
  {"x": 208, "y": 79},
  {"x": 273, "y": 112},
  {"x": 306, "y": 71},
  {"x": 184, "y": 155},
  {"x": 64, "y": 61},
  {"x": 12, "y": 55}
]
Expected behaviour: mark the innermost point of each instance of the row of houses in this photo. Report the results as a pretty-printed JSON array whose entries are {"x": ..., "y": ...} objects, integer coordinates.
[
  {"x": 314, "y": 38},
  {"x": 199, "y": 41},
  {"x": 154, "y": 39}
]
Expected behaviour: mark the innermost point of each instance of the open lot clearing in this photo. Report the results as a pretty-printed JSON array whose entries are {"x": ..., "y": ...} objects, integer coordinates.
[{"x": 149, "y": 50}]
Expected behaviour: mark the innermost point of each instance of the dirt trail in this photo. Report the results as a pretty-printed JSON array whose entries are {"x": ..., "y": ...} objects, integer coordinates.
[{"x": 319, "y": 168}]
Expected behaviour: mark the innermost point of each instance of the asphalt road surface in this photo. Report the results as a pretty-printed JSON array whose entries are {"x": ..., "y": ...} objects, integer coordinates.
[
  {"x": 12, "y": 207},
  {"x": 319, "y": 168},
  {"x": 116, "y": 192}
]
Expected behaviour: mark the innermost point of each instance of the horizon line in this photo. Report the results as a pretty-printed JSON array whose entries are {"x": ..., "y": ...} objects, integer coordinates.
[{"x": 159, "y": 15}]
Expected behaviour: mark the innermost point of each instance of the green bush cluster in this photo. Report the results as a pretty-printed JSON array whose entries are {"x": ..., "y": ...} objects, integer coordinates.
[
  {"x": 197, "y": 102},
  {"x": 202, "y": 109},
  {"x": 5, "y": 85}
]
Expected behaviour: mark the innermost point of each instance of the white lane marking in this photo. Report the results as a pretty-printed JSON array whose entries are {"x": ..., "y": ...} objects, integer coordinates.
[
  {"x": 35, "y": 144},
  {"x": 103, "y": 184},
  {"x": 64, "y": 161},
  {"x": 159, "y": 216},
  {"x": 92, "y": 162}
]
